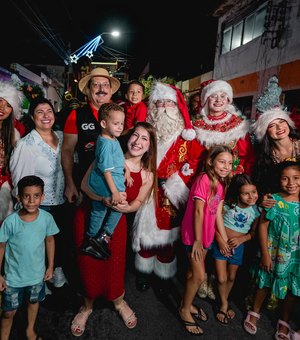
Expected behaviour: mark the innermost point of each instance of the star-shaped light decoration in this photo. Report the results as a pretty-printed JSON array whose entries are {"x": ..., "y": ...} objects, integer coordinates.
[
  {"x": 74, "y": 58},
  {"x": 89, "y": 54},
  {"x": 90, "y": 47}
]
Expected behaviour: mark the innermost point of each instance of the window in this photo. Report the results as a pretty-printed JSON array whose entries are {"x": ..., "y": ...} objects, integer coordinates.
[{"x": 238, "y": 34}]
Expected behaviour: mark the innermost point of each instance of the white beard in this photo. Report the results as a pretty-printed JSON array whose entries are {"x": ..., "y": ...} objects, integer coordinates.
[{"x": 167, "y": 121}]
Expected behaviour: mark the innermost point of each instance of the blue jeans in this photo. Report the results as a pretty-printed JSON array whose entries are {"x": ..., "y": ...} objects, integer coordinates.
[{"x": 102, "y": 218}]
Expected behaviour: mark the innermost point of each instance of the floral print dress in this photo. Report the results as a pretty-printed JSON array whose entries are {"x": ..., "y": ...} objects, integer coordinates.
[{"x": 284, "y": 248}]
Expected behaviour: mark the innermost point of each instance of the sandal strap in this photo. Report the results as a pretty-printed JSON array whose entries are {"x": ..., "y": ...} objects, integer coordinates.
[
  {"x": 121, "y": 311},
  {"x": 81, "y": 317},
  {"x": 283, "y": 323},
  {"x": 256, "y": 315}
]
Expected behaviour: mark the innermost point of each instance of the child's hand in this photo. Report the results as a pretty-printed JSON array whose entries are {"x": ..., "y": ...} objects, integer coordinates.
[
  {"x": 49, "y": 274},
  {"x": 129, "y": 180},
  {"x": 197, "y": 251},
  {"x": 234, "y": 242},
  {"x": 224, "y": 248},
  {"x": 266, "y": 263},
  {"x": 268, "y": 201},
  {"x": 2, "y": 283},
  {"x": 116, "y": 198}
]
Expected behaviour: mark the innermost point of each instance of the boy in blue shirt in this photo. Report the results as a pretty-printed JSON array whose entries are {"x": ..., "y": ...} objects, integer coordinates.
[
  {"x": 25, "y": 236},
  {"x": 106, "y": 179}
]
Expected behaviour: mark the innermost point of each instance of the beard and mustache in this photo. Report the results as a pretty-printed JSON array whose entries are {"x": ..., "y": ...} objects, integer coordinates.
[{"x": 168, "y": 122}]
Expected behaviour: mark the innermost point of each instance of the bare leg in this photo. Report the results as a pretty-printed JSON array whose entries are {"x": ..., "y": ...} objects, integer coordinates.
[
  {"x": 6, "y": 324},
  {"x": 125, "y": 312},
  {"x": 259, "y": 299},
  {"x": 193, "y": 280},
  {"x": 32, "y": 311},
  {"x": 80, "y": 320},
  {"x": 286, "y": 308}
]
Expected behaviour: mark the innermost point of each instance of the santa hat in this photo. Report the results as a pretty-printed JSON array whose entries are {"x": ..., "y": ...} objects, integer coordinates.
[
  {"x": 259, "y": 128},
  {"x": 212, "y": 86},
  {"x": 13, "y": 96},
  {"x": 161, "y": 91}
]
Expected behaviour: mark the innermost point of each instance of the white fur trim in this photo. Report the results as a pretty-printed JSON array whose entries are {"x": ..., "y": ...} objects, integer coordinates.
[
  {"x": 165, "y": 271},
  {"x": 6, "y": 202},
  {"x": 146, "y": 233},
  {"x": 209, "y": 138},
  {"x": 260, "y": 126},
  {"x": 143, "y": 264},
  {"x": 216, "y": 86},
  {"x": 161, "y": 91},
  {"x": 188, "y": 134},
  {"x": 13, "y": 96},
  {"x": 176, "y": 190},
  {"x": 163, "y": 148}
]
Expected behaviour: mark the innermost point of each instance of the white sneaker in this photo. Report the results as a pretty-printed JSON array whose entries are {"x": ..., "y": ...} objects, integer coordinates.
[{"x": 59, "y": 278}]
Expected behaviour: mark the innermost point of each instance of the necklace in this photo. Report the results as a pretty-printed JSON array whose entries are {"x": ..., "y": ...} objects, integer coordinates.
[{"x": 288, "y": 155}]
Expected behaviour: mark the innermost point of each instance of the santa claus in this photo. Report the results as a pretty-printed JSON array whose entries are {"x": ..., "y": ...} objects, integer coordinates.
[{"x": 157, "y": 222}]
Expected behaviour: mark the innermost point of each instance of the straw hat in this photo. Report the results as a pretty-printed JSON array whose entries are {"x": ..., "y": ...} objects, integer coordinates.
[{"x": 98, "y": 72}]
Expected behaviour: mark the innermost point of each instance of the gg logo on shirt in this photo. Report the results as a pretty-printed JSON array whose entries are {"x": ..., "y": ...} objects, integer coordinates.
[{"x": 89, "y": 126}]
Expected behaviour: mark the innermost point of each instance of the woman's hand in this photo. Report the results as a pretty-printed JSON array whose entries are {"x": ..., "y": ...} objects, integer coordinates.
[
  {"x": 122, "y": 207},
  {"x": 197, "y": 250}
]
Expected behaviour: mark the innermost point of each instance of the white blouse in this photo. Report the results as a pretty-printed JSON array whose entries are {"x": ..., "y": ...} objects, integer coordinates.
[{"x": 32, "y": 156}]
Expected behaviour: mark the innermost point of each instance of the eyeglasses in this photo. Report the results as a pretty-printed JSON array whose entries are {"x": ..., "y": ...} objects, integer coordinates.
[
  {"x": 166, "y": 102},
  {"x": 99, "y": 85}
]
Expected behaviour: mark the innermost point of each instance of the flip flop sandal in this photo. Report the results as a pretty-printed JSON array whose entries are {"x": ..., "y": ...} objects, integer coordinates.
[
  {"x": 131, "y": 320},
  {"x": 249, "y": 326},
  {"x": 79, "y": 322},
  {"x": 225, "y": 321},
  {"x": 200, "y": 314},
  {"x": 190, "y": 324}
]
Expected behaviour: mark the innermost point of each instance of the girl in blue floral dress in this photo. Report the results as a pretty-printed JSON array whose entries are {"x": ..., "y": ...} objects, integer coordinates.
[{"x": 279, "y": 238}]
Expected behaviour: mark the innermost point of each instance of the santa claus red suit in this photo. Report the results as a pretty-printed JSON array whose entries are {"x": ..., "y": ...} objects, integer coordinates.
[
  {"x": 222, "y": 123},
  {"x": 157, "y": 222}
]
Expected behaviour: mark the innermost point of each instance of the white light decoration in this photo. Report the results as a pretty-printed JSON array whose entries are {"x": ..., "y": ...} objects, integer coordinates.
[{"x": 88, "y": 49}]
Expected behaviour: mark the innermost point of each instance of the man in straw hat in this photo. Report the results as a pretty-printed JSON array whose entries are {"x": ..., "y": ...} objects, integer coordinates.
[{"x": 82, "y": 128}]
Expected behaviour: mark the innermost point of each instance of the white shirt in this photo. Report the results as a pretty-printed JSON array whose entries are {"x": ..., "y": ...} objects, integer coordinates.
[{"x": 32, "y": 156}]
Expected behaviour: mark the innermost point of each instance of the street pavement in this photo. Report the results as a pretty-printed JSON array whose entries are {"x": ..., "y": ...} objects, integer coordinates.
[{"x": 157, "y": 315}]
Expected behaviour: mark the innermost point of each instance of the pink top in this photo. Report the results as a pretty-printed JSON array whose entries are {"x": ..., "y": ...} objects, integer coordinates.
[{"x": 201, "y": 190}]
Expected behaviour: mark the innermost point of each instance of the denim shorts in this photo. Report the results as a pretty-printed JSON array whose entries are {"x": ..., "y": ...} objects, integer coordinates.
[
  {"x": 13, "y": 298},
  {"x": 236, "y": 258},
  {"x": 189, "y": 248}
]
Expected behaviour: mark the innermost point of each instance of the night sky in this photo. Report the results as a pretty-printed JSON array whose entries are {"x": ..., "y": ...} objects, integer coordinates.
[{"x": 171, "y": 39}]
